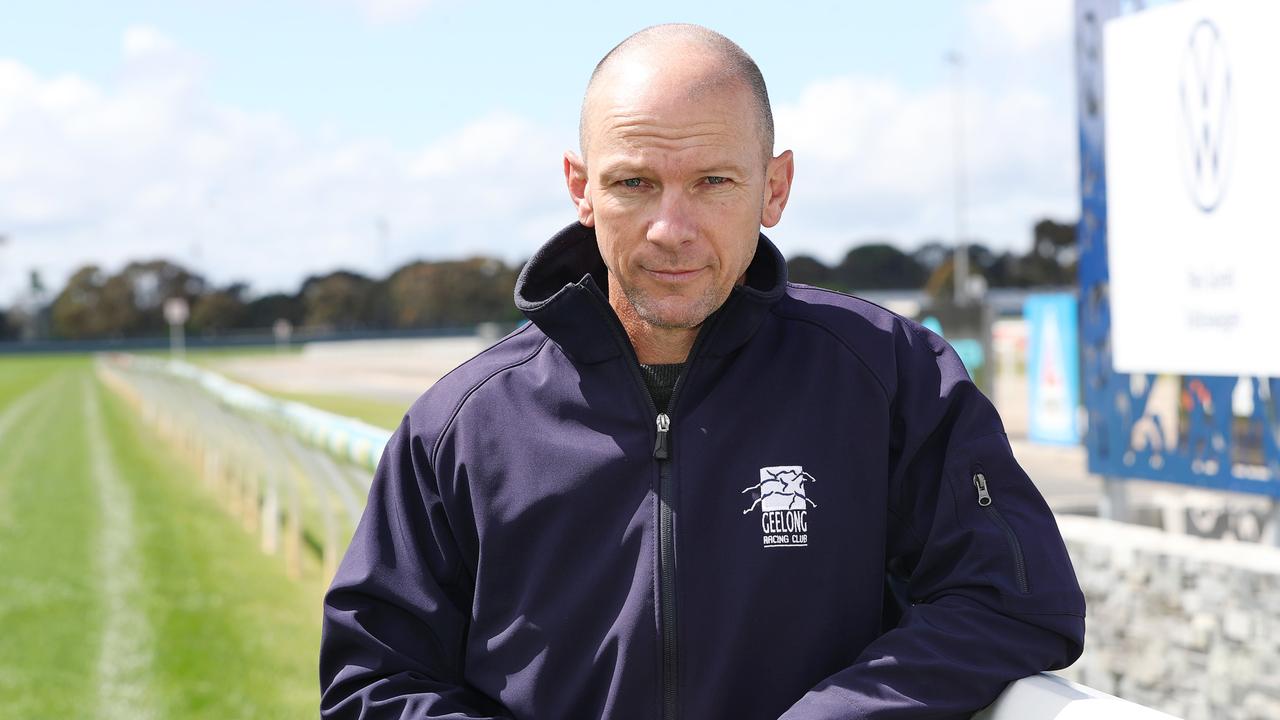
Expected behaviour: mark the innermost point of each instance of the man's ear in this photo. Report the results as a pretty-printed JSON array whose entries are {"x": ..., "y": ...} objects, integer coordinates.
[
  {"x": 575, "y": 177},
  {"x": 777, "y": 180}
]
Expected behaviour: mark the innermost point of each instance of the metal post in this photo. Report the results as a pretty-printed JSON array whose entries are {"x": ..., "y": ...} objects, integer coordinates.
[
  {"x": 1114, "y": 504},
  {"x": 176, "y": 313},
  {"x": 1271, "y": 527},
  {"x": 271, "y": 521},
  {"x": 177, "y": 342},
  {"x": 960, "y": 276}
]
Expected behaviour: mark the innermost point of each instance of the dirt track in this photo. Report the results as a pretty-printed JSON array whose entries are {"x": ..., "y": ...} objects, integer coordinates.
[
  {"x": 400, "y": 370},
  {"x": 393, "y": 370}
]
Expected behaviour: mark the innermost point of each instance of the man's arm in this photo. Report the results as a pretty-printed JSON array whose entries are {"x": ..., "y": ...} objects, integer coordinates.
[
  {"x": 987, "y": 588},
  {"x": 395, "y": 617}
]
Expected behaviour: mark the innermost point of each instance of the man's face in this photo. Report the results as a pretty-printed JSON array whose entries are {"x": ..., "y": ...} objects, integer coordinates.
[{"x": 676, "y": 185}]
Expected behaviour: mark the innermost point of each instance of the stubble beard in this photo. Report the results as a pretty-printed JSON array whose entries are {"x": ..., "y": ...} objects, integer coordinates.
[{"x": 687, "y": 315}]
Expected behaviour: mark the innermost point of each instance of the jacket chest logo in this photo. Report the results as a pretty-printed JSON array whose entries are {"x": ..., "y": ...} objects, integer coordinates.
[{"x": 784, "y": 505}]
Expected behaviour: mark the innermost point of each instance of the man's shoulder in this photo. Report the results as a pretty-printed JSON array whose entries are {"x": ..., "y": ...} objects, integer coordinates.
[
  {"x": 433, "y": 410},
  {"x": 842, "y": 310},
  {"x": 875, "y": 334}
]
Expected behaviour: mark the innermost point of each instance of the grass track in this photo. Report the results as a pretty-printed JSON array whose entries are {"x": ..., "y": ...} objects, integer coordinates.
[
  {"x": 165, "y": 608},
  {"x": 377, "y": 413}
]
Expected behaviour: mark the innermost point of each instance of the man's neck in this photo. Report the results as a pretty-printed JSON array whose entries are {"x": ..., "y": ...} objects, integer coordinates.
[{"x": 653, "y": 345}]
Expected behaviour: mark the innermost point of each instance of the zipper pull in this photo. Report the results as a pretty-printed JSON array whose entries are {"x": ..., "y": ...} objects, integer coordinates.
[
  {"x": 660, "y": 449},
  {"x": 980, "y": 482}
]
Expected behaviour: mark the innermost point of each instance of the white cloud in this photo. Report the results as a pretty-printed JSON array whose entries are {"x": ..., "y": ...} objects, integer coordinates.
[
  {"x": 875, "y": 160},
  {"x": 150, "y": 167},
  {"x": 143, "y": 40},
  {"x": 1026, "y": 26}
]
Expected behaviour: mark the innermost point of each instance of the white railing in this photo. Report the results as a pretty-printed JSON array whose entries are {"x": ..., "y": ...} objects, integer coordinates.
[
  {"x": 293, "y": 474},
  {"x": 348, "y": 439},
  {"x": 1049, "y": 697}
]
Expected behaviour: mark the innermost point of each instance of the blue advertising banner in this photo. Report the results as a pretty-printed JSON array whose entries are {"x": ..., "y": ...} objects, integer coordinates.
[{"x": 1053, "y": 368}]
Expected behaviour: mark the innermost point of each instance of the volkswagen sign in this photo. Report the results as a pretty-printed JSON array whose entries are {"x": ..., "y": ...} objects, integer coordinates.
[
  {"x": 1191, "y": 112},
  {"x": 1208, "y": 135}
]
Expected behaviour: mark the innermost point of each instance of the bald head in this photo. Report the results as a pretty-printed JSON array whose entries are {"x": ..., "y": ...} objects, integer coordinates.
[{"x": 705, "y": 61}]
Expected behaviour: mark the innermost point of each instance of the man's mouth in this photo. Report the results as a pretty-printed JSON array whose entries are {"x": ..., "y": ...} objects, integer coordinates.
[{"x": 674, "y": 275}]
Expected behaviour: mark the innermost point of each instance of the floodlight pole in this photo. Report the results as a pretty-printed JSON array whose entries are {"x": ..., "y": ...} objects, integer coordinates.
[
  {"x": 960, "y": 266},
  {"x": 177, "y": 342}
]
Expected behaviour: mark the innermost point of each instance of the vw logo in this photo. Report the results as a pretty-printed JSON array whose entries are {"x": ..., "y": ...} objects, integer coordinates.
[{"x": 1208, "y": 120}]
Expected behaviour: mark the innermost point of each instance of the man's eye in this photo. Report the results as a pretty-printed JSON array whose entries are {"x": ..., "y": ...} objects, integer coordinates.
[
  {"x": 716, "y": 180},
  {"x": 632, "y": 182}
]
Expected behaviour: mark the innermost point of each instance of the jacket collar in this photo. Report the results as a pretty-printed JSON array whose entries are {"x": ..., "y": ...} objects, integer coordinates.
[{"x": 562, "y": 290}]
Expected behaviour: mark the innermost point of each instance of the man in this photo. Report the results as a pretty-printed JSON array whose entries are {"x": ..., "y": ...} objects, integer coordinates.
[{"x": 688, "y": 489}]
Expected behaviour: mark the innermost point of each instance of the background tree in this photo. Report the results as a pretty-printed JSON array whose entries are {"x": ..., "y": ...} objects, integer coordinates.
[
  {"x": 341, "y": 300},
  {"x": 809, "y": 270},
  {"x": 219, "y": 311},
  {"x": 9, "y": 325},
  {"x": 878, "y": 266},
  {"x": 263, "y": 312},
  {"x": 451, "y": 293},
  {"x": 932, "y": 254},
  {"x": 149, "y": 284},
  {"x": 127, "y": 304},
  {"x": 457, "y": 293},
  {"x": 75, "y": 308},
  {"x": 93, "y": 305},
  {"x": 1053, "y": 256}
]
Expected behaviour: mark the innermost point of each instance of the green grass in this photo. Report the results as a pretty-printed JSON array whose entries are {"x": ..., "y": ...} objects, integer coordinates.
[
  {"x": 378, "y": 413},
  {"x": 125, "y": 590}
]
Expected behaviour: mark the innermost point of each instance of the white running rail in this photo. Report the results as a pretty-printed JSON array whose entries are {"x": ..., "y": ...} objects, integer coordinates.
[{"x": 1049, "y": 697}]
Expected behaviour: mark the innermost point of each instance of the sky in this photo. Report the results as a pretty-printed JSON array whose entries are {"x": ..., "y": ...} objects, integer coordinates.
[{"x": 262, "y": 142}]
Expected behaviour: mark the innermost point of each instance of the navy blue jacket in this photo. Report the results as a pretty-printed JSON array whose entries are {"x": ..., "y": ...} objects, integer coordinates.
[{"x": 828, "y": 523}]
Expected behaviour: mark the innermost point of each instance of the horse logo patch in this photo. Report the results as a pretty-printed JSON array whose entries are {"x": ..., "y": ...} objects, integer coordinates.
[{"x": 784, "y": 505}]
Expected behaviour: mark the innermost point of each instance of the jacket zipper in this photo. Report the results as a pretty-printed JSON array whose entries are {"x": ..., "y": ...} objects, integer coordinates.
[
  {"x": 666, "y": 513},
  {"x": 666, "y": 559},
  {"x": 666, "y": 531},
  {"x": 984, "y": 501}
]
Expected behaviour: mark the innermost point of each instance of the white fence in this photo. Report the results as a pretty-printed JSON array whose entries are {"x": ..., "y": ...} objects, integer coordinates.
[{"x": 295, "y": 475}]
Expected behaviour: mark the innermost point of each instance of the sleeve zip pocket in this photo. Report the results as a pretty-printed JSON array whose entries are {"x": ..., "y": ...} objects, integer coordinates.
[{"x": 985, "y": 502}]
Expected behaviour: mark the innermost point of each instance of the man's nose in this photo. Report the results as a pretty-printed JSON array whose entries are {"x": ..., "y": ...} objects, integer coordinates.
[{"x": 674, "y": 223}]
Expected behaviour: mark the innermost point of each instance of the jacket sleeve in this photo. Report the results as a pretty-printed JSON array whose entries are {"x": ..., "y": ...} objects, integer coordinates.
[
  {"x": 395, "y": 617},
  {"x": 985, "y": 590}
]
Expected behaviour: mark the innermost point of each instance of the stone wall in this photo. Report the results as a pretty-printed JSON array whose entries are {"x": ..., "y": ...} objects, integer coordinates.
[{"x": 1177, "y": 623}]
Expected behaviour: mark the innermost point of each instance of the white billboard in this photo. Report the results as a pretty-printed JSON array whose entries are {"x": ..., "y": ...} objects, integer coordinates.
[{"x": 1192, "y": 104}]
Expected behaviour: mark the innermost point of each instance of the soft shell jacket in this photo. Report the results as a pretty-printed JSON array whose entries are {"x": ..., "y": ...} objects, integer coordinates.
[{"x": 828, "y": 523}]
